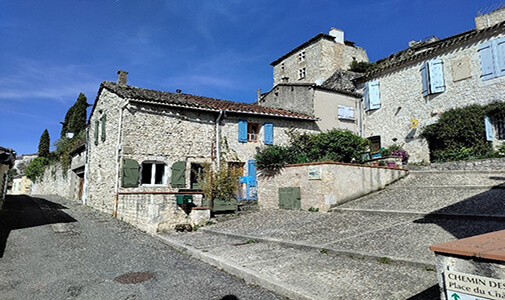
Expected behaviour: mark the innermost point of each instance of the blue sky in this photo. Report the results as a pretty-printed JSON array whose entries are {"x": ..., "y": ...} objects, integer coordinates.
[{"x": 50, "y": 51}]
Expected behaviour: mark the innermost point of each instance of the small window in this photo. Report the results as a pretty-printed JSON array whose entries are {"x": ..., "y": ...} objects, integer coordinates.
[
  {"x": 196, "y": 174},
  {"x": 302, "y": 73},
  {"x": 375, "y": 143},
  {"x": 301, "y": 56},
  {"x": 153, "y": 173},
  {"x": 499, "y": 125},
  {"x": 253, "y": 130}
]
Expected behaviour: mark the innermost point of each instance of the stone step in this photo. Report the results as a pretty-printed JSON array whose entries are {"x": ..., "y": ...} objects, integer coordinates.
[
  {"x": 452, "y": 178},
  {"x": 449, "y": 200}
]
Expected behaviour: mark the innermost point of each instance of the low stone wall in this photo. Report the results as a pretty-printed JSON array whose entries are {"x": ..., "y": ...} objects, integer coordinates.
[
  {"x": 55, "y": 181},
  {"x": 477, "y": 165},
  {"x": 156, "y": 211},
  {"x": 324, "y": 185}
]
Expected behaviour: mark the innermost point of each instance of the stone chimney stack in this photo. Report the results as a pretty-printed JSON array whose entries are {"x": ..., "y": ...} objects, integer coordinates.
[
  {"x": 337, "y": 34},
  {"x": 492, "y": 18},
  {"x": 122, "y": 78}
]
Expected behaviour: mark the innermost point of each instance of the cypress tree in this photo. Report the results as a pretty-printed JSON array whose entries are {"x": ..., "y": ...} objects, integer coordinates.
[
  {"x": 78, "y": 119},
  {"x": 44, "y": 144}
]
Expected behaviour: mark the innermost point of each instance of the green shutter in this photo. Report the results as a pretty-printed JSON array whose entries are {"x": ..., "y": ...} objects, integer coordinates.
[
  {"x": 97, "y": 125},
  {"x": 130, "y": 174},
  {"x": 289, "y": 198},
  {"x": 104, "y": 117},
  {"x": 179, "y": 174}
]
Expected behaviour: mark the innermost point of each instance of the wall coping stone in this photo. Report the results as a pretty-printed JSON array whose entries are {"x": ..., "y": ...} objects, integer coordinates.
[{"x": 343, "y": 164}]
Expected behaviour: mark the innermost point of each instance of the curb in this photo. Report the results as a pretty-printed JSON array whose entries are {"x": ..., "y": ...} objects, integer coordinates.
[{"x": 249, "y": 276}]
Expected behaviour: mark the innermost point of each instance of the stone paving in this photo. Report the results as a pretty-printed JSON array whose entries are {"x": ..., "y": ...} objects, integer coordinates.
[{"x": 376, "y": 246}]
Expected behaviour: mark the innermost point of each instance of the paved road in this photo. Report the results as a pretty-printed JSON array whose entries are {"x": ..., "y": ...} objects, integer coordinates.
[{"x": 51, "y": 248}]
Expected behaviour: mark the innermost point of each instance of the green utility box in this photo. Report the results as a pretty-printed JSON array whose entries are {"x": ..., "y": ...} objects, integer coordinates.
[{"x": 184, "y": 199}]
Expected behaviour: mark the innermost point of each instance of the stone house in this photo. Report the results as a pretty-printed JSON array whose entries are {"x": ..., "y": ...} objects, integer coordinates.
[
  {"x": 410, "y": 89},
  {"x": 145, "y": 147},
  {"x": 7, "y": 158}
]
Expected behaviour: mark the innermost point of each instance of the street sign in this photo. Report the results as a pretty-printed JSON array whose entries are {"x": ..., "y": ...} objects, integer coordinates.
[{"x": 460, "y": 285}]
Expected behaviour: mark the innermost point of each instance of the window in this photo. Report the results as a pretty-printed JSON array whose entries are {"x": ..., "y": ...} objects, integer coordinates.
[
  {"x": 432, "y": 76},
  {"x": 103, "y": 119},
  {"x": 97, "y": 125},
  {"x": 153, "y": 173},
  {"x": 196, "y": 174},
  {"x": 345, "y": 112},
  {"x": 301, "y": 73},
  {"x": 301, "y": 56},
  {"x": 495, "y": 125},
  {"x": 375, "y": 143},
  {"x": 371, "y": 95},
  {"x": 492, "y": 58},
  {"x": 253, "y": 130}
]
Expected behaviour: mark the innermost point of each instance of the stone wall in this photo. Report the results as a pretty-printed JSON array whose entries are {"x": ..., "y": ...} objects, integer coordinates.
[
  {"x": 490, "y": 19},
  {"x": 326, "y": 109},
  {"x": 297, "y": 98},
  {"x": 332, "y": 184},
  {"x": 402, "y": 99},
  {"x": 55, "y": 181}
]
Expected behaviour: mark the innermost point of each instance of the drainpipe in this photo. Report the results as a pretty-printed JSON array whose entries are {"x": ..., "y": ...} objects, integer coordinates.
[
  {"x": 118, "y": 158},
  {"x": 86, "y": 169},
  {"x": 218, "y": 141},
  {"x": 360, "y": 105}
]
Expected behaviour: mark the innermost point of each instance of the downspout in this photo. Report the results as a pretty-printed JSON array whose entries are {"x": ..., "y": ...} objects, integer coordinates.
[
  {"x": 360, "y": 105},
  {"x": 218, "y": 140},
  {"x": 118, "y": 158},
  {"x": 86, "y": 169}
]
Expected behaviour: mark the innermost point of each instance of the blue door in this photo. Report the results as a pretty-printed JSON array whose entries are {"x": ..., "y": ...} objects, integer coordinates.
[{"x": 250, "y": 182}]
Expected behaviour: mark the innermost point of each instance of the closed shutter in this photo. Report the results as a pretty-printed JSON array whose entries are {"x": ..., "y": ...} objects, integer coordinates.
[
  {"x": 242, "y": 131},
  {"x": 436, "y": 74},
  {"x": 366, "y": 98},
  {"x": 374, "y": 94},
  {"x": 104, "y": 118},
  {"x": 424, "y": 79},
  {"x": 500, "y": 56},
  {"x": 97, "y": 126},
  {"x": 350, "y": 113},
  {"x": 489, "y": 129},
  {"x": 269, "y": 133},
  {"x": 289, "y": 198},
  {"x": 486, "y": 61},
  {"x": 130, "y": 176},
  {"x": 179, "y": 174},
  {"x": 251, "y": 172}
]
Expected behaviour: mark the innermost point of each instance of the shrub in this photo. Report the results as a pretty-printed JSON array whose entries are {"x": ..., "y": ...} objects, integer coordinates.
[
  {"x": 360, "y": 66},
  {"x": 274, "y": 157},
  {"x": 219, "y": 184},
  {"x": 36, "y": 168}
]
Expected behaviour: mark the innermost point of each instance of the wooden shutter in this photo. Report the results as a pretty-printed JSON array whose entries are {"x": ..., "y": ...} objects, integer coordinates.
[
  {"x": 366, "y": 98},
  {"x": 436, "y": 74},
  {"x": 289, "y": 198},
  {"x": 179, "y": 174},
  {"x": 350, "y": 113},
  {"x": 242, "y": 131},
  {"x": 487, "y": 61},
  {"x": 97, "y": 126},
  {"x": 499, "y": 51},
  {"x": 251, "y": 172},
  {"x": 341, "y": 112},
  {"x": 130, "y": 174},
  {"x": 489, "y": 129},
  {"x": 374, "y": 94},
  {"x": 269, "y": 133},
  {"x": 104, "y": 118},
  {"x": 424, "y": 79}
]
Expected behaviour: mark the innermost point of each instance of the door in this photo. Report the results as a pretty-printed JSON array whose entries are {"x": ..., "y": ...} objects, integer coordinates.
[{"x": 289, "y": 198}]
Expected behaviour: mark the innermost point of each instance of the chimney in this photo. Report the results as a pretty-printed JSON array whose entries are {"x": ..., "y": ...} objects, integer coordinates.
[
  {"x": 258, "y": 95},
  {"x": 337, "y": 34},
  {"x": 122, "y": 78}
]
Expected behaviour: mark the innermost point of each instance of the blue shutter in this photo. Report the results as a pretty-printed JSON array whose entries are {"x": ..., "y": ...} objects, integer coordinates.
[
  {"x": 499, "y": 51},
  {"x": 489, "y": 129},
  {"x": 350, "y": 113},
  {"x": 269, "y": 133},
  {"x": 242, "y": 131},
  {"x": 251, "y": 172},
  {"x": 366, "y": 98},
  {"x": 374, "y": 94},
  {"x": 486, "y": 61},
  {"x": 341, "y": 112},
  {"x": 424, "y": 79},
  {"x": 436, "y": 74}
]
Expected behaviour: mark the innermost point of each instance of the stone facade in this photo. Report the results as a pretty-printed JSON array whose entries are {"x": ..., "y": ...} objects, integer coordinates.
[
  {"x": 319, "y": 57},
  {"x": 317, "y": 101},
  {"x": 401, "y": 92},
  {"x": 324, "y": 185},
  {"x": 164, "y": 134}
]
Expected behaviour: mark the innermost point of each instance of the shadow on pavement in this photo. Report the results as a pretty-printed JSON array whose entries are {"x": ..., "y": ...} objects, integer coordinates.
[{"x": 22, "y": 211}]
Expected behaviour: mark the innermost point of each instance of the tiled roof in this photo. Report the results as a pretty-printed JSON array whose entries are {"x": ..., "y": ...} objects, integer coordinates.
[
  {"x": 307, "y": 43},
  {"x": 429, "y": 49},
  {"x": 342, "y": 81},
  {"x": 195, "y": 102}
]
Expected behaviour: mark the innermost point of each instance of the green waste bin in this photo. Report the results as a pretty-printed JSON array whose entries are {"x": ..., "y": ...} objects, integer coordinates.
[{"x": 184, "y": 199}]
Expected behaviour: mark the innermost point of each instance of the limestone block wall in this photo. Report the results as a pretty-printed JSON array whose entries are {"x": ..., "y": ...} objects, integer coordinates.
[
  {"x": 336, "y": 183},
  {"x": 291, "y": 97},
  {"x": 55, "y": 181},
  {"x": 402, "y": 99}
]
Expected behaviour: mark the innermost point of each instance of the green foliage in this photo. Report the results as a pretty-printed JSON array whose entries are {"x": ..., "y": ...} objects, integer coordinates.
[
  {"x": 11, "y": 174},
  {"x": 219, "y": 184},
  {"x": 65, "y": 145},
  {"x": 36, "y": 168},
  {"x": 313, "y": 209},
  {"x": 361, "y": 66},
  {"x": 44, "y": 143},
  {"x": 384, "y": 260},
  {"x": 460, "y": 133},
  {"x": 75, "y": 118},
  {"x": 334, "y": 145},
  {"x": 323, "y": 251}
]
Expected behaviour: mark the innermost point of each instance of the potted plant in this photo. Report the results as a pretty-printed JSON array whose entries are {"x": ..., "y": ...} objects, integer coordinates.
[{"x": 219, "y": 187}]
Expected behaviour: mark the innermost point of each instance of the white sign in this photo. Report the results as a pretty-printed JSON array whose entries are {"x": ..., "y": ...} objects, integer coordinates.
[
  {"x": 483, "y": 287},
  {"x": 452, "y": 295},
  {"x": 314, "y": 172}
]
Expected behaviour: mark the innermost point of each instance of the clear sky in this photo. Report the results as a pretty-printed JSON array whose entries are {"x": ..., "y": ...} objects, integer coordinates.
[{"x": 52, "y": 50}]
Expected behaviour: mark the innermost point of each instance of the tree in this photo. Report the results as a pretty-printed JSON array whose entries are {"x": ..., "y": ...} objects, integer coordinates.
[
  {"x": 36, "y": 168},
  {"x": 75, "y": 118},
  {"x": 44, "y": 144}
]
